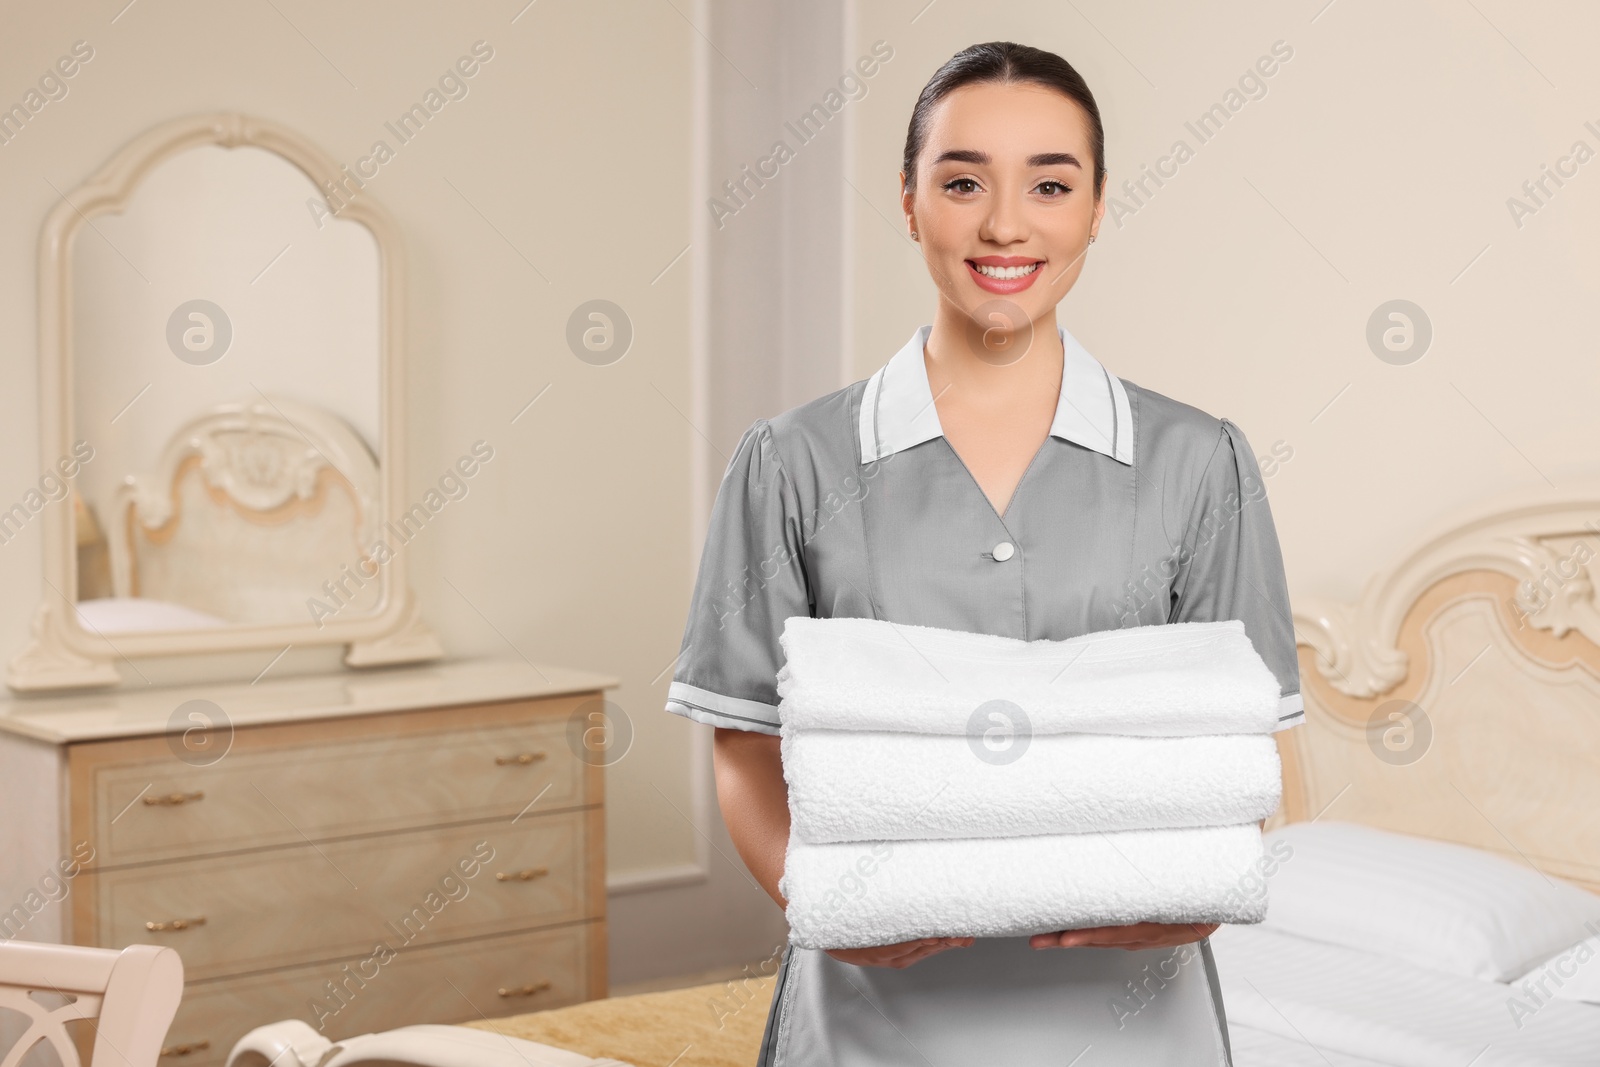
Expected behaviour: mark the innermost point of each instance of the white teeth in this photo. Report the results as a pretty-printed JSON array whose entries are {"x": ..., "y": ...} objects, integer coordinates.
[{"x": 1006, "y": 272}]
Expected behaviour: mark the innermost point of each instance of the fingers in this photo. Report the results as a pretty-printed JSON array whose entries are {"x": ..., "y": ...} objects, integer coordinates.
[
  {"x": 918, "y": 948},
  {"x": 1132, "y": 936},
  {"x": 899, "y": 954},
  {"x": 919, "y": 954},
  {"x": 941, "y": 942},
  {"x": 1089, "y": 935},
  {"x": 929, "y": 946}
]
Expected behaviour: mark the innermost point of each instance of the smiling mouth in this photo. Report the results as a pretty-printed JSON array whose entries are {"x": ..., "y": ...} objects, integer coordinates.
[{"x": 1006, "y": 273}]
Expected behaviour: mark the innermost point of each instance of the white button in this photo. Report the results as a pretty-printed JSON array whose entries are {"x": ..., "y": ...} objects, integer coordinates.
[{"x": 1003, "y": 551}]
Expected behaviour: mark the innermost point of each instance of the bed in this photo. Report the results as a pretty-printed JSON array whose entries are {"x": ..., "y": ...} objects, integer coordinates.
[
  {"x": 1428, "y": 983},
  {"x": 1437, "y": 903},
  {"x": 250, "y": 507}
]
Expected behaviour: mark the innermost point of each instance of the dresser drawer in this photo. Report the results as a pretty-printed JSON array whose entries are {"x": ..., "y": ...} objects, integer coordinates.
[
  {"x": 251, "y": 911},
  {"x": 137, "y": 801},
  {"x": 444, "y": 984}
]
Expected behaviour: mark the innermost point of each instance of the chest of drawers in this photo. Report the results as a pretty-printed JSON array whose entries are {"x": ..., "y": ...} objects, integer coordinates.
[{"x": 419, "y": 844}]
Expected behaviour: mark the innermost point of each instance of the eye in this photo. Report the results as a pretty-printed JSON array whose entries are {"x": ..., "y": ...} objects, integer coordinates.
[
  {"x": 1065, "y": 189},
  {"x": 950, "y": 186}
]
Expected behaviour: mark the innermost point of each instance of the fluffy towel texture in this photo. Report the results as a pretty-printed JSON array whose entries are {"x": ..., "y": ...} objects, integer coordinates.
[
  {"x": 851, "y": 785},
  {"x": 1172, "y": 679},
  {"x": 877, "y": 893}
]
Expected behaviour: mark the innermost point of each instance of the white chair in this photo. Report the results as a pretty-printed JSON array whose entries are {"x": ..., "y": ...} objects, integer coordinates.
[{"x": 132, "y": 996}]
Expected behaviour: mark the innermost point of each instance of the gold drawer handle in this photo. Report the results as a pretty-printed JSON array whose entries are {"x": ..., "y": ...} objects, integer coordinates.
[
  {"x": 521, "y": 876},
  {"x": 174, "y": 799},
  {"x": 184, "y": 1050},
  {"x": 525, "y": 990},
  {"x": 521, "y": 759},
  {"x": 176, "y": 924}
]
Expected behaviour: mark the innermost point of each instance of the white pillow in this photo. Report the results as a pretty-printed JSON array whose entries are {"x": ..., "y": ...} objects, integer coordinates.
[
  {"x": 1572, "y": 974},
  {"x": 1431, "y": 903}
]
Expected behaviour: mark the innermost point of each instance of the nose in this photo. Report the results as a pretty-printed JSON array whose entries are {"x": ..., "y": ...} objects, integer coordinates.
[{"x": 1005, "y": 221}]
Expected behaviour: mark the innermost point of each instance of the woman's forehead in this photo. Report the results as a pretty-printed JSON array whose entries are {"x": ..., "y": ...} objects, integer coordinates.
[{"x": 1008, "y": 121}]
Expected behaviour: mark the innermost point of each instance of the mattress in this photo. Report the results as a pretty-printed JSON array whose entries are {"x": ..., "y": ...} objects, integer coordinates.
[{"x": 1287, "y": 997}]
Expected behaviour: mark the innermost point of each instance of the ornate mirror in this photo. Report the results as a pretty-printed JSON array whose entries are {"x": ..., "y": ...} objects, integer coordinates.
[{"x": 221, "y": 403}]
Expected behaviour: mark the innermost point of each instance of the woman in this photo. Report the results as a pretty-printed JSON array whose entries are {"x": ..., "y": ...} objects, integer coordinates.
[{"x": 991, "y": 477}]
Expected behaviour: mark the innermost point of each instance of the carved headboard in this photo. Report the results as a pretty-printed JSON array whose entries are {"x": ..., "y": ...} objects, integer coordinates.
[
  {"x": 1459, "y": 698},
  {"x": 250, "y": 508}
]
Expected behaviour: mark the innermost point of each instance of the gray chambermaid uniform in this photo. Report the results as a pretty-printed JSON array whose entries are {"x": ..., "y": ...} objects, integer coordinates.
[{"x": 1136, "y": 509}]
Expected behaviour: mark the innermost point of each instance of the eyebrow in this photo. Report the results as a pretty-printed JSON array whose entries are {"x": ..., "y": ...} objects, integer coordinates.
[{"x": 1040, "y": 159}]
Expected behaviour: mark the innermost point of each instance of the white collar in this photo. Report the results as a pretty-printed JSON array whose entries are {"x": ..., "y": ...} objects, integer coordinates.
[{"x": 897, "y": 409}]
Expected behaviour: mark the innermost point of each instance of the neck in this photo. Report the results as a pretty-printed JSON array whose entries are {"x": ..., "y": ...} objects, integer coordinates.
[{"x": 960, "y": 355}]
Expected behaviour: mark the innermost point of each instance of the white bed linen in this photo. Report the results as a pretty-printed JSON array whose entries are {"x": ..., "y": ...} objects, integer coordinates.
[
  {"x": 132, "y": 614},
  {"x": 1356, "y": 1003},
  {"x": 1258, "y": 1048}
]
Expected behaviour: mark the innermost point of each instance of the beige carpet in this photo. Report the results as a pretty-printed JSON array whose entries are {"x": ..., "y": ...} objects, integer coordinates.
[{"x": 716, "y": 1025}]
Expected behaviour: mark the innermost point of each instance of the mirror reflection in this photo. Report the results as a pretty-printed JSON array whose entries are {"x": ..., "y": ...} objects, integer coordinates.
[{"x": 226, "y": 374}]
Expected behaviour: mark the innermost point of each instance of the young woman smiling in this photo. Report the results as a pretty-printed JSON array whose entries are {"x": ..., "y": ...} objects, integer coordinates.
[{"x": 1015, "y": 487}]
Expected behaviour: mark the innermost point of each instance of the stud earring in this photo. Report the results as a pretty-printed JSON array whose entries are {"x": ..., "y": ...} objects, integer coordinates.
[
  {"x": 1091, "y": 238},
  {"x": 914, "y": 235}
]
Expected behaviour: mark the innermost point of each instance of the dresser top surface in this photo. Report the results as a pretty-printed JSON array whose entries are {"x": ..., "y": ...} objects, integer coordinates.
[{"x": 142, "y": 711}]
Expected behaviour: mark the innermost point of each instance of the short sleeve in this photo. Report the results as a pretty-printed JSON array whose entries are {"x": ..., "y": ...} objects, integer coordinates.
[
  {"x": 752, "y": 577},
  {"x": 1232, "y": 566}
]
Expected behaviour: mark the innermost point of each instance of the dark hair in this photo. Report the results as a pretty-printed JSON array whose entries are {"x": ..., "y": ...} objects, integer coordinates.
[{"x": 1005, "y": 63}]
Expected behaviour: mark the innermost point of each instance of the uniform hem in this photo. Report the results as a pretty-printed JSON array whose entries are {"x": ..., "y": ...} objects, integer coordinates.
[
  {"x": 1291, "y": 711},
  {"x": 776, "y": 1016},
  {"x": 717, "y": 709},
  {"x": 1214, "y": 982}
]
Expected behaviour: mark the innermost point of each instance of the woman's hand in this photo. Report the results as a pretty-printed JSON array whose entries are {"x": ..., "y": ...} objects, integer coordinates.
[
  {"x": 1138, "y": 935},
  {"x": 899, "y": 955}
]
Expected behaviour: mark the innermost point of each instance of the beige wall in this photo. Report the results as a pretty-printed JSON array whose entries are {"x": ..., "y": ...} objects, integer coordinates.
[{"x": 1377, "y": 166}]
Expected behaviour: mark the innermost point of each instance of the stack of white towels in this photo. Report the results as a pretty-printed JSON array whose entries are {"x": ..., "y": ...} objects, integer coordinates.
[{"x": 947, "y": 784}]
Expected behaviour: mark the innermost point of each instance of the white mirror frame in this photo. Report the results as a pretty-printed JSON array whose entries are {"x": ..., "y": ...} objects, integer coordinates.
[{"x": 61, "y": 653}]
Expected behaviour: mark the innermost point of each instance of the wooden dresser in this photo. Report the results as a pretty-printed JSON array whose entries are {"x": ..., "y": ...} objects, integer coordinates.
[{"x": 360, "y": 851}]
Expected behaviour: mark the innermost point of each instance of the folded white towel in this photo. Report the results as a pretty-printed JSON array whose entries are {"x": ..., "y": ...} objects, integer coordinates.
[
  {"x": 882, "y": 892},
  {"x": 855, "y": 785},
  {"x": 1160, "y": 680}
]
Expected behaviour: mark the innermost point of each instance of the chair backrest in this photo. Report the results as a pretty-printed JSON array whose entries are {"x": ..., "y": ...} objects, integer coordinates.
[{"x": 132, "y": 995}]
